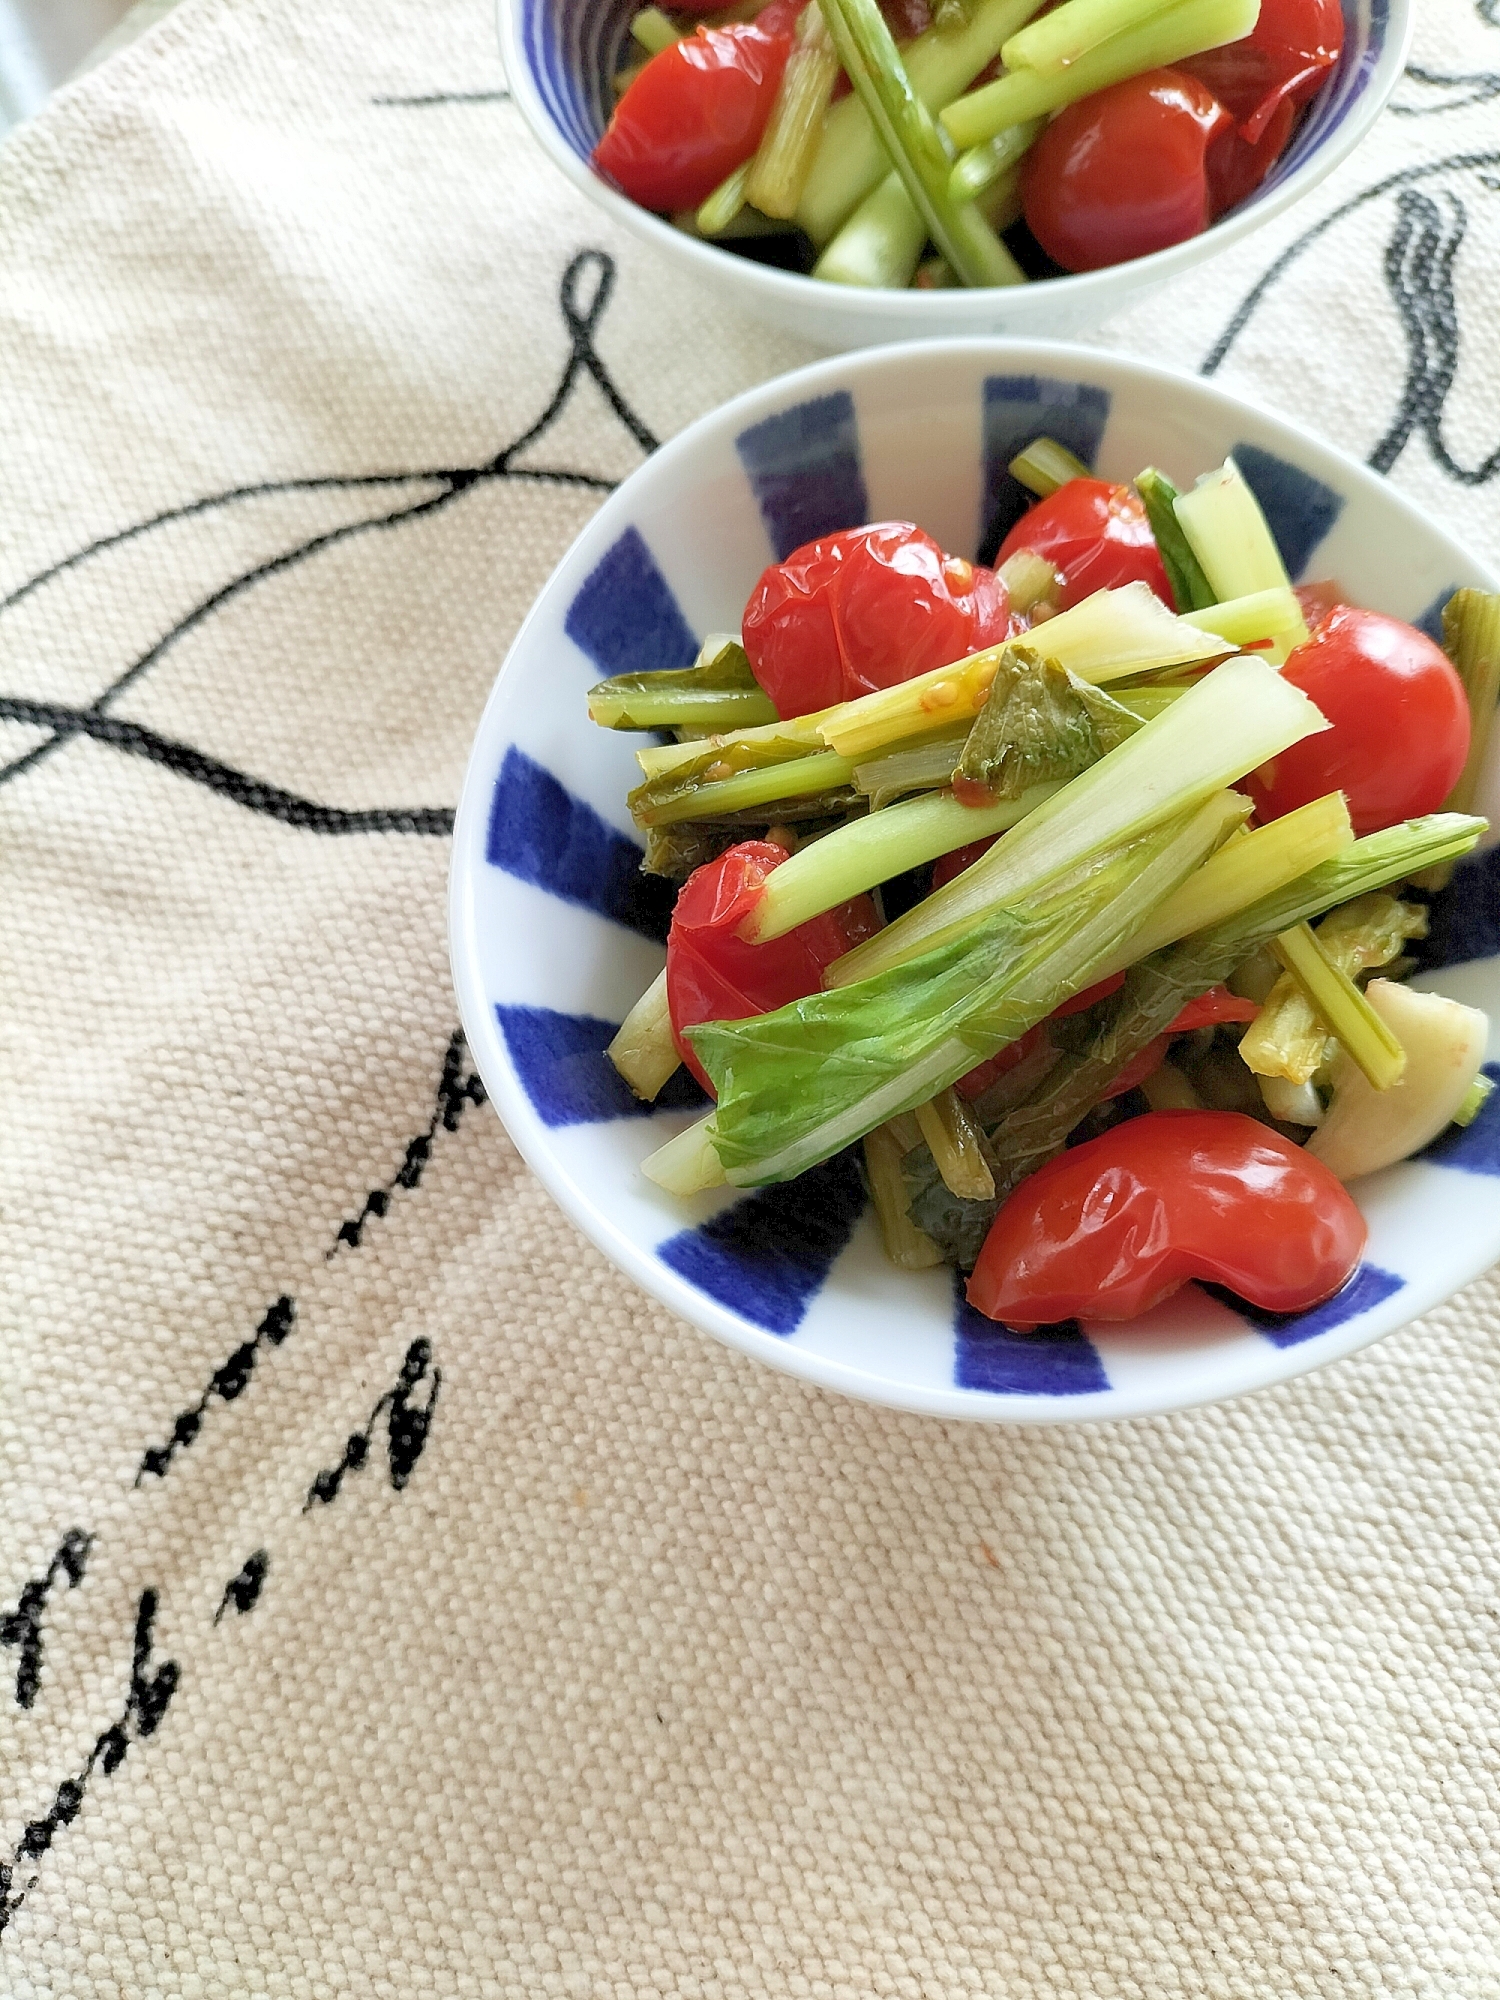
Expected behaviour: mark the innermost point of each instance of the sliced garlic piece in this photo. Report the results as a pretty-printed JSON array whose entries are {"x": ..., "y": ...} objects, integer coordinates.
[{"x": 1366, "y": 1129}]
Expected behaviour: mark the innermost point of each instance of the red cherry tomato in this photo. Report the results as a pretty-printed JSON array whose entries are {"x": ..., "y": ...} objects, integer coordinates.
[
  {"x": 948, "y": 865},
  {"x": 863, "y": 610},
  {"x": 1096, "y": 536},
  {"x": 1111, "y": 1228},
  {"x": 1283, "y": 60},
  {"x": 1400, "y": 721},
  {"x": 712, "y": 975},
  {"x": 697, "y": 111},
  {"x": 1121, "y": 173}
]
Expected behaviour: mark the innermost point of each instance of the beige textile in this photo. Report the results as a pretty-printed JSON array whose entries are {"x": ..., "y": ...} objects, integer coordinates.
[{"x": 638, "y": 1669}]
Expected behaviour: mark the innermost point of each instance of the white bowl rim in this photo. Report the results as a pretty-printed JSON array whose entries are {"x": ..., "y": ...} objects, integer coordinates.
[
  {"x": 970, "y": 309},
  {"x": 1016, "y": 355}
]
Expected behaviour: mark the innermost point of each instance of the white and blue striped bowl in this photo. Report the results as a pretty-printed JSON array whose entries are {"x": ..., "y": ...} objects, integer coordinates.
[
  {"x": 555, "y": 933},
  {"x": 559, "y": 58}
]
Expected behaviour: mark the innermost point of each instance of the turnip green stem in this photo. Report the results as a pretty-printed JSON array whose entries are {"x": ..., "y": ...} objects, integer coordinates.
[
  {"x": 790, "y": 142},
  {"x": 1336, "y": 998},
  {"x": 881, "y": 243},
  {"x": 1072, "y": 30},
  {"x": 913, "y": 143},
  {"x": 643, "y": 1051},
  {"x": 1045, "y": 465}
]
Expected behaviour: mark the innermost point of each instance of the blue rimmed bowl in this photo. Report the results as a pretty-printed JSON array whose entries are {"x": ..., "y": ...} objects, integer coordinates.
[
  {"x": 560, "y": 56},
  {"x": 555, "y": 933}
]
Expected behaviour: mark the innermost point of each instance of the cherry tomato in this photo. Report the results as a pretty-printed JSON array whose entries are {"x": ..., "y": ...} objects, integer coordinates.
[
  {"x": 865, "y": 609},
  {"x": 1111, "y": 1228},
  {"x": 712, "y": 975},
  {"x": 1400, "y": 721},
  {"x": 1121, "y": 173},
  {"x": 1236, "y": 166},
  {"x": 1096, "y": 536},
  {"x": 1282, "y": 61},
  {"x": 948, "y": 865},
  {"x": 697, "y": 110}
]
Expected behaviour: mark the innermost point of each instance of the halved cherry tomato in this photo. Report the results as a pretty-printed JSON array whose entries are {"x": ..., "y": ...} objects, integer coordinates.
[
  {"x": 712, "y": 975},
  {"x": 1096, "y": 536},
  {"x": 1283, "y": 60},
  {"x": 865, "y": 609},
  {"x": 697, "y": 110},
  {"x": 1121, "y": 173},
  {"x": 1263, "y": 81},
  {"x": 1400, "y": 719},
  {"x": 1113, "y": 1227}
]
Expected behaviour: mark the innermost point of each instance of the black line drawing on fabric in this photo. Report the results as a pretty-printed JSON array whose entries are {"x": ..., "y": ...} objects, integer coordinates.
[
  {"x": 1418, "y": 268},
  {"x": 145, "y": 1705},
  {"x": 23, "y": 1626},
  {"x": 458, "y": 1087},
  {"x": 455, "y": 1091},
  {"x": 226, "y": 1383},
  {"x": 407, "y": 1425},
  {"x": 583, "y": 296},
  {"x": 242, "y": 1591},
  {"x": 1481, "y": 85},
  {"x": 444, "y": 97}
]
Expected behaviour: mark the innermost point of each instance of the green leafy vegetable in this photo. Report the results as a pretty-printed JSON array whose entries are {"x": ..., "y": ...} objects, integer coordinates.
[
  {"x": 1289, "y": 1038},
  {"x": 717, "y": 692},
  {"x": 1191, "y": 589},
  {"x": 1040, "y": 723},
  {"x": 1158, "y": 988}
]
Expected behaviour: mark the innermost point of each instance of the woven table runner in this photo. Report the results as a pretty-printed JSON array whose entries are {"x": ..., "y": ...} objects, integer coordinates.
[{"x": 393, "y": 1600}]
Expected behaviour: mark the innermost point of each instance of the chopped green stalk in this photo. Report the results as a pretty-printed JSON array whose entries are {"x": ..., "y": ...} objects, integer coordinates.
[
  {"x": 872, "y": 850},
  {"x": 725, "y": 203},
  {"x": 1232, "y": 540},
  {"x": 1123, "y": 632},
  {"x": 790, "y": 141},
  {"x": 1250, "y": 621},
  {"x": 689, "y": 1163},
  {"x": 1003, "y": 204},
  {"x": 653, "y": 31},
  {"x": 1167, "y": 1089},
  {"x": 921, "y": 706},
  {"x": 1072, "y": 30},
  {"x": 1289, "y": 1037},
  {"x": 1157, "y": 988},
  {"x": 664, "y": 801},
  {"x": 1186, "y": 29},
  {"x": 1233, "y": 720},
  {"x": 850, "y": 160},
  {"x": 1290, "y": 1103},
  {"x": 1030, "y": 579},
  {"x": 957, "y": 1146},
  {"x": 972, "y": 177},
  {"x": 925, "y": 767},
  {"x": 797, "y": 1085},
  {"x": 1144, "y": 702},
  {"x": 908, "y": 1247},
  {"x": 1471, "y": 639},
  {"x": 1249, "y": 867},
  {"x": 1191, "y": 589},
  {"x": 717, "y": 692},
  {"x": 1045, "y": 465},
  {"x": 643, "y": 1051},
  {"x": 747, "y": 227},
  {"x": 881, "y": 243},
  {"x": 1040, "y": 723},
  {"x": 792, "y": 738},
  {"x": 1481, "y": 1090},
  {"x": 1349, "y": 1015},
  {"x": 914, "y": 144}
]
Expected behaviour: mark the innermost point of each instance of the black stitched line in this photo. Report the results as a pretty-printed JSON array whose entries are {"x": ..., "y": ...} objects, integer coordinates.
[
  {"x": 23, "y": 1626},
  {"x": 407, "y": 1425},
  {"x": 1248, "y": 306},
  {"x": 145, "y": 1705},
  {"x": 581, "y": 321},
  {"x": 455, "y": 1091},
  {"x": 138, "y": 741},
  {"x": 226, "y": 1383},
  {"x": 243, "y": 1590},
  {"x": 1482, "y": 85},
  {"x": 445, "y": 97}
]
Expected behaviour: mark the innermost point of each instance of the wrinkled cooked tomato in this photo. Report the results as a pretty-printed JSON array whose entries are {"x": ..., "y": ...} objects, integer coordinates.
[
  {"x": 1122, "y": 173},
  {"x": 865, "y": 609},
  {"x": 1400, "y": 723},
  {"x": 1282, "y": 61},
  {"x": 1113, "y": 1227},
  {"x": 1096, "y": 536},
  {"x": 697, "y": 110},
  {"x": 712, "y": 975}
]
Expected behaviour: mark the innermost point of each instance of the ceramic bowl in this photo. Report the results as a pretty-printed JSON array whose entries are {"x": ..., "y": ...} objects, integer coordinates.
[
  {"x": 559, "y": 58},
  {"x": 555, "y": 934}
]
